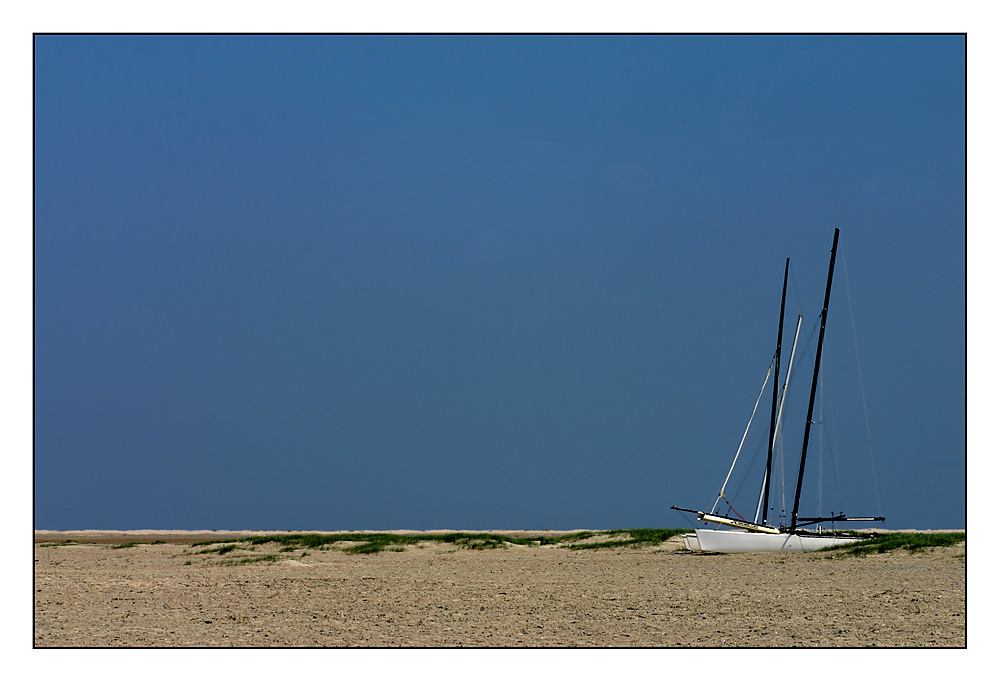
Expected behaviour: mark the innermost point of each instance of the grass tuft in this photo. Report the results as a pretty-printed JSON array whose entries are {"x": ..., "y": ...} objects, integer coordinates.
[
  {"x": 250, "y": 559},
  {"x": 224, "y": 549},
  {"x": 204, "y": 543},
  {"x": 887, "y": 542}
]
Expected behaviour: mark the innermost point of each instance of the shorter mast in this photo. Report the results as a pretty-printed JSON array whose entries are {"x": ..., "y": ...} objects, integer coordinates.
[
  {"x": 774, "y": 394},
  {"x": 812, "y": 392},
  {"x": 781, "y": 409}
]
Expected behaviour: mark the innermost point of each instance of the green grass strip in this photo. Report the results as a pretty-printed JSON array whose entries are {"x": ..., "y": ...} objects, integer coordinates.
[
  {"x": 224, "y": 549},
  {"x": 633, "y": 537},
  {"x": 887, "y": 542},
  {"x": 372, "y": 543}
]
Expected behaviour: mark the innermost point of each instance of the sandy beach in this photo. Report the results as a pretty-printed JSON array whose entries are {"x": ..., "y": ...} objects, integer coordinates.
[{"x": 163, "y": 593}]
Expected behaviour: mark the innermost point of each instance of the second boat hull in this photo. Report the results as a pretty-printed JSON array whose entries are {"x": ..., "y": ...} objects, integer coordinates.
[
  {"x": 691, "y": 542},
  {"x": 731, "y": 541}
]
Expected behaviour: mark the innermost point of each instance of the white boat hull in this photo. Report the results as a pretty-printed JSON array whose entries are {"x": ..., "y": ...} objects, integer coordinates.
[
  {"x": 730, "y": 541},
  {"x": 691, "y": 542}
]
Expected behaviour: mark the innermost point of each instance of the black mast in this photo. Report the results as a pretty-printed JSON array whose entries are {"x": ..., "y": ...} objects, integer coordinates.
[
  {"x": 774, "y": 395},
  {"x": 812, "y": 393}
]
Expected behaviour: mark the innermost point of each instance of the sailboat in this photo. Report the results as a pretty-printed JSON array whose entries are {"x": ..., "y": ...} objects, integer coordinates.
[{"x": 758, "y": 535}]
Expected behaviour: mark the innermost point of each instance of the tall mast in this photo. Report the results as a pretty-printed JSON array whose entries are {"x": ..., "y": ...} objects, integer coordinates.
[
  {"x": 774, "y": 394},
  {"x": 812, "y": 392}
]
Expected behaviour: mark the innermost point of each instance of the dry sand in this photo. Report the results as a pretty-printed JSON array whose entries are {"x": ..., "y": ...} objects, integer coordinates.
[{"x": 437, "y": 595}]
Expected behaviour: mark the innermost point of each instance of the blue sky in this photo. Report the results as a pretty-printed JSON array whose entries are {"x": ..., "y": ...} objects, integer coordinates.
[{"x": 346, "y": 282}]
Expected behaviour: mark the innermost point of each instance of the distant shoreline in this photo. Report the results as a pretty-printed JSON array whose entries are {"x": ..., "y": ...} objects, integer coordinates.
[{"x": 187, "y": 536}]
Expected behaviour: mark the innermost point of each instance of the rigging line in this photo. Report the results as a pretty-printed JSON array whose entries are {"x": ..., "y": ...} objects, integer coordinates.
[
  {"x": 829, "y": 436},
  {"x": 819, "y": 460},
  {"x": 827, "y": 416},
  {"x": 759, "y": 448},
  {"x": 681, "y": 514},
  {"x": 781, "y": 460},
  {"x": 722, "y": 493},
  {"x": 806, "y": 345},
  {"x": 733, "y": 509},
  {"x": 861, "y": 383}
]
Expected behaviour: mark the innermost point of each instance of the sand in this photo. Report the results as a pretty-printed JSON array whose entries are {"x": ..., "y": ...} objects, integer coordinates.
[{"x": 437, "y": 595}]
